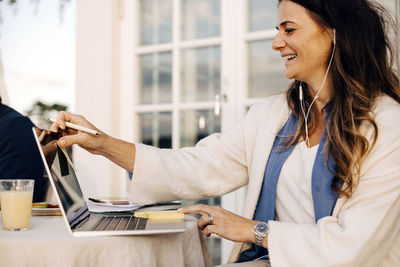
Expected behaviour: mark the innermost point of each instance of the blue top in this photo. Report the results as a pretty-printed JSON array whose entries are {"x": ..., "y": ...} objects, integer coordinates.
[
  {"x": 19, "y": 155},
  {"x": 324, "y": 198}
]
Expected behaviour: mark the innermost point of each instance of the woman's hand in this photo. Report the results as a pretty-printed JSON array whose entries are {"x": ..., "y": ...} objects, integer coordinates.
[
  {"x": 92, "y": 143},
  {"x": 118, "y": 151},
  {"x": 224, "y": 223}
]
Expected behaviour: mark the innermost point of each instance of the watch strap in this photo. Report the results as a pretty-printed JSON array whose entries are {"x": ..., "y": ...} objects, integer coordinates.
[
  {"x": 259, "y": 240},
  {"x": 259, "y": 237}
]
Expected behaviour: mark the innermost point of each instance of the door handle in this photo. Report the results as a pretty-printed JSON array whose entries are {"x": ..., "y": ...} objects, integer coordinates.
[{"x": 219, "y": 99}]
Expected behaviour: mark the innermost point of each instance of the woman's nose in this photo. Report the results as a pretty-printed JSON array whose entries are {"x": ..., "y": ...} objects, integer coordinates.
[{"x": 278, "y": 43}]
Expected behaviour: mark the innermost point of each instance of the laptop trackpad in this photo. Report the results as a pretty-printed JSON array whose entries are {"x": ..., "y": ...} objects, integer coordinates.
[{"x": 157, "y": 224}]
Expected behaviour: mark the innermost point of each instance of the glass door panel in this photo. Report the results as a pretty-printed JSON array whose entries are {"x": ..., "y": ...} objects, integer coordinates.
[
  {"x": 265, "y": 70},
  {"x": 197, "y": 124},
  {"x": 155, "y": 78},
  {"x": 201, "y": 74},
  {"x": 155, "y": 129},
  {"x": 262, "y": 15},
  {"x": 200, "y": 81},
  {"x": 155, "y": 20},
  {"x": 177, "y": 48},
  {"x": 200, "y": 19}
]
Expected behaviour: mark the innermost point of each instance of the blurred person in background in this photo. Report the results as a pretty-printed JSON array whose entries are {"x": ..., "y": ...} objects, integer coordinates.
[{"x": 19, "y": 155}]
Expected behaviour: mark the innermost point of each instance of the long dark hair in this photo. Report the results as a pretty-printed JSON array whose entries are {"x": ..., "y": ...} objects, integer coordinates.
[{"x": 363, "y": 68}]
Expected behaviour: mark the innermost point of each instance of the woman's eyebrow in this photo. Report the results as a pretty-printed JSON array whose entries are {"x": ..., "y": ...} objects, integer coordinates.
[{"x": 283, "y": 23}]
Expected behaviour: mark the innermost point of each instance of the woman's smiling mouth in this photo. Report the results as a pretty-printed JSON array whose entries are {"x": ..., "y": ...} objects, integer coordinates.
[{"x": 288, "y": 58}]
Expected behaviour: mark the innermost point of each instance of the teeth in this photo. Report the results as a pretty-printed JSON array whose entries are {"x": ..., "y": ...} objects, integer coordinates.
[{"x": 289, "y": 57}]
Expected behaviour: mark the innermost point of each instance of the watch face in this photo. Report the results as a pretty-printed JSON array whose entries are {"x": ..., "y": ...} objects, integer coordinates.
[{"x": 261, "y": 227}]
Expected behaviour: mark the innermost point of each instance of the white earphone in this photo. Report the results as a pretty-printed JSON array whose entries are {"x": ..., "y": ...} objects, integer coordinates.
[
  {"x": 334, "y": 37},
  {"x": 301, "y": 98}
]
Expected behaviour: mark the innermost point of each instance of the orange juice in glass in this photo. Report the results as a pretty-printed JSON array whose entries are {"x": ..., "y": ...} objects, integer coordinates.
[{"x": 16, "y": 203}]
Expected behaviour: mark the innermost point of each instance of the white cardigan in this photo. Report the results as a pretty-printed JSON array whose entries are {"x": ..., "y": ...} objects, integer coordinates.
[{"x": 362, "y": 231}]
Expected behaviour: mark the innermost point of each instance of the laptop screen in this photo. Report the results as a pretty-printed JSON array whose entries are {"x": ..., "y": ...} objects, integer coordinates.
[{"x": 63, "y": 174}]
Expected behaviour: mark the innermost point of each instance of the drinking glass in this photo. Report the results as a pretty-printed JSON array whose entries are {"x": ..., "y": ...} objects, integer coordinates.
[{"x": 16, "y": 203}]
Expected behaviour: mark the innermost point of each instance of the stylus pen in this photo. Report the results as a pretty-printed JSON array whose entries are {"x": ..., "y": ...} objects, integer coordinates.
[{"x": 78, "y": 127}]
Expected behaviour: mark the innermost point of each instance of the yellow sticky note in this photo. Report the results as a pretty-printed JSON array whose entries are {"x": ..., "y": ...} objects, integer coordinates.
[{"x": 160, "y": 214}]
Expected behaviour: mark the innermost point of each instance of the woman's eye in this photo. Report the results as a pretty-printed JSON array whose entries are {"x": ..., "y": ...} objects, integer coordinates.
[{"x": 289, "y": 30}]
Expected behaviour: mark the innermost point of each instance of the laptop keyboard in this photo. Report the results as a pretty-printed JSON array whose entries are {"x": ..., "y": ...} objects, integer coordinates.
[{"x": 118, "y": 223}]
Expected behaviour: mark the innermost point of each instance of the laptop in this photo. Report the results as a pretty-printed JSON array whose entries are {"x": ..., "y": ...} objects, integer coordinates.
[{"x": 79, "y": 220}]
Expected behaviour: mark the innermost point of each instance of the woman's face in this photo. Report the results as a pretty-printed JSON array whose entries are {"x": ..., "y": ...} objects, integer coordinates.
[{"x": 304, "y": 45}]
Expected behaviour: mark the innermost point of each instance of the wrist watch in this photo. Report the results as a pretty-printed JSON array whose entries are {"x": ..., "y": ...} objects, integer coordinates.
[{"x": 261, "y": 230}]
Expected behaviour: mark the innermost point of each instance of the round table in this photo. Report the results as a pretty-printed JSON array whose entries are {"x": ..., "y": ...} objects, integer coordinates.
[{"x": 48, "y": 243}]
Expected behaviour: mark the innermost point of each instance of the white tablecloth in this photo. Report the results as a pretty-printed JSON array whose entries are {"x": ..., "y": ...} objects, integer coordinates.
[{"x": 48, "y": 243}]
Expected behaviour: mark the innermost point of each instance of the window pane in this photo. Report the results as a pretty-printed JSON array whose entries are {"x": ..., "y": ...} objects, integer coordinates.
[
  {"x": 262, "y": 14},
  {"x": 155, "y": 79},
  {"x": 266, "y": 70},
  {"x": 155, "y": 21},
  {"x": 156, "y": 129},
  {"x": 200, "y": 19},
  {"x": 200, "y": 74},
  {"x": 197, "y": 124}
]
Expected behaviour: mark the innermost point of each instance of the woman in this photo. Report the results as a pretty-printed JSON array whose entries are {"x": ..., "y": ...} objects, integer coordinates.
[{"x": 321, "y": 163}]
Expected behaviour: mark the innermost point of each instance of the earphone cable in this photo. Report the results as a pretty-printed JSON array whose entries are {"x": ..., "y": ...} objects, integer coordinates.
[{"x": 316, "y": 96}]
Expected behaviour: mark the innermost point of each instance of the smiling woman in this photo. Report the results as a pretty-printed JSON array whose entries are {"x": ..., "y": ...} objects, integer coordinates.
[
  {"x": 320, "y": 163},
  {"x": 305, "y": 45},
  {"x": 359, "y": 62}
]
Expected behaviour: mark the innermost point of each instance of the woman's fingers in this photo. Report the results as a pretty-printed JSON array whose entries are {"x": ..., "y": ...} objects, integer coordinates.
[
  {"x": 71, "y": 136},
  {"x": 60, "y": 121},
  {"x": 210, "y": 229},
  {"x": 199, "y": 208},
  {"x": 64, "y": 116},
  {"x": 206, "y": 211},
  {"x": 70, "y": 140},
  {"x": 209, "y": 220},
  {"x": 216, "y": 220},
  {"x": 206, "y": 220}
]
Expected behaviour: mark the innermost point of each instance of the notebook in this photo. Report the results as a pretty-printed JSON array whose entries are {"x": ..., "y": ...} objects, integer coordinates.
[{"x": 79, "y": 220}]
